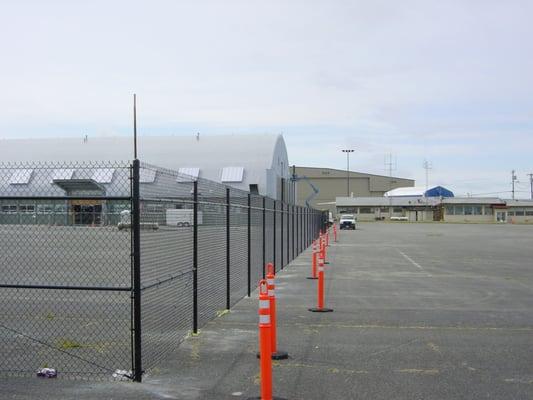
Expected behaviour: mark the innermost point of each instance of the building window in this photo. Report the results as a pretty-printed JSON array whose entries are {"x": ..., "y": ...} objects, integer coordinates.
[
  {"x": 458, "y": 210},
  {"x": 366, "y": 210},
  {"x": 449, "y": 210},
  {"x": 397, "y": 209},
  {"x": 477, "y": 210},
  {"x": 384, "y": 210},
  {"x": 529, "y": 212},
  {"x": 45, "y": 208},
  {"x": 60, "y": 209},
  {"x": 9, "y": 209},
  {"x": 510, "y": 213},
  {"x": 488, "y": 210},
  {"x": 519, "y": 213},
  {"x": 468, "y": 210},
  {"x": 27, "y": 208}
]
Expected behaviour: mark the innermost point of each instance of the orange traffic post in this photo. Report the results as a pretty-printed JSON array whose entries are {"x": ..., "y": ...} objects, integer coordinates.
[
  {"x": 265, "y": 344},
  {"x": 327, "y": 237},
  {"x": 324, "y": 250},
  {"x": 320, "y": 292},
  {"x": 314, "y": 261},
  {"x": 271, "y": 286}
]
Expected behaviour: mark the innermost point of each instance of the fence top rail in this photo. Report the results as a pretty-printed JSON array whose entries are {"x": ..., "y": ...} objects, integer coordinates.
[{"x": 28, "y": 197}]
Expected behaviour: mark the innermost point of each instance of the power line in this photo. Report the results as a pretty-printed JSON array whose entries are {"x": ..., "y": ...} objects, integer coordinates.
[{"x": 531, "y": 184}]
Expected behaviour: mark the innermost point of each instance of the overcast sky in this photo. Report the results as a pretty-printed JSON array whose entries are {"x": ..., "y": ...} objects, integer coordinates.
[{"x": 447, "y": 81}]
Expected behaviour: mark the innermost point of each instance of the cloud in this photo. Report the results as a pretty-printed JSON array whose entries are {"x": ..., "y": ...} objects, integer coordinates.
[{"x": 448, "y": 81}]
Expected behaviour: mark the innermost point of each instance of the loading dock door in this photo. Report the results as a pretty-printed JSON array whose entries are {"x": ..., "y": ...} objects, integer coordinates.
[{"x": 86, "y": 212}]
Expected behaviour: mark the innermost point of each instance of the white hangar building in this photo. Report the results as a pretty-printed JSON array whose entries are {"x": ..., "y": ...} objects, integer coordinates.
[{"x": 255, "y": 163}]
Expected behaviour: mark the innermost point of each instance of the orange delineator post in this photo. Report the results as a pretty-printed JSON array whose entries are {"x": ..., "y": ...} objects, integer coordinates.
[
  {"x": 335, "y": 232},
  {"x": 323, "y": 250},
  {"x": 314, "y": 258},
  {"x": 271, "y": 286},
  {"x": 265, "y": 342},
  {"x": 320, "y": 292},
  {"x": 327, "y": 237}
]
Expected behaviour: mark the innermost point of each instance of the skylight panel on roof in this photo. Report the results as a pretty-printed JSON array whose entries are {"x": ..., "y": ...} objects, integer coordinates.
[
  {"x": 103, "y": 175},
  {"x": 147, "y": 175},
  {"x": 62, "y": 174},
  {"x": 21, "y": 177},
  {"x": 189, "y": 174},
  {"x": 232, "y": 174}
]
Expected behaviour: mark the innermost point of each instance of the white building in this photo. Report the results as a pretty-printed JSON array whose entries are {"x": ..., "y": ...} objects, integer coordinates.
[{"x": 255, "y": 163}]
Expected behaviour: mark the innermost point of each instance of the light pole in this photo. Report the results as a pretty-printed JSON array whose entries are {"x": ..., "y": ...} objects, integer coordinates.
[{"x": 347, "y": 151}]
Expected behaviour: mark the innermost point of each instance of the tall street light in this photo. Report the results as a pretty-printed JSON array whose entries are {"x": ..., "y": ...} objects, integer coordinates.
[{"x": 347, "y": 151}]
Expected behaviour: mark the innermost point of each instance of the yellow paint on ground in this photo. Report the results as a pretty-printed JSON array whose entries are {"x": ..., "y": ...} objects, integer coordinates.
[
  {"x": 434, "y": 347},
  {"x": 372, "y": 326},
  {"x": 520, "y": 380},
  {"x": 332, "y": 370},
  {"x": 418, "y": 371}
]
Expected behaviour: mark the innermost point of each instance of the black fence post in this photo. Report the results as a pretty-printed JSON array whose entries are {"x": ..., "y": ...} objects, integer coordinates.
[
  {"x": 264, "y": 234},
  {"x": 281, "y": 233},
  {"x": 274, "y": 238},
  {"x": 293, "y": 233},
  {"x": 306, "y": 217},
  {"x": 302, "y": 229},
  {"x": 195, "y": 260},
  {"x": 136, "y": 244},
  {"x": 249, "y": 249},
  {"x": 297, "y": 230},
  {"x": 228, "y": 238},
  {"x": 288, "y": 234}
]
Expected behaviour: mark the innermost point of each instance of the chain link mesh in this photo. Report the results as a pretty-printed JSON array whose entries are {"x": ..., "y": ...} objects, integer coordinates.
[
  {"x": 68, "y": 238},
  {"x": 65, "y": 283}
]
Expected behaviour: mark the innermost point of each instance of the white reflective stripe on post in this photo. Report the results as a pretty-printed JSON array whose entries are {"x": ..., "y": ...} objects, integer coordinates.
[
  {"x": 264, "y": 319},
  {"x": 270, "y": 281},
  {"x": 270, "y": 292},
  {"x": 320, "y": 269},
  {"x": 264, "y": 303}
]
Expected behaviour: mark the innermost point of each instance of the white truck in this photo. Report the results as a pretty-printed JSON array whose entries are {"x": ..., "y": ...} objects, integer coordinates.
[
  {"x": 182, "y": 217},
  {"x": 347, "y": 221}
]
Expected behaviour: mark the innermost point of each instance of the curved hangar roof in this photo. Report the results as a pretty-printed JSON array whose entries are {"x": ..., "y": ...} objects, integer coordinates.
[
  {"x": 417, "y": 191},
  {"x": 237, "y": 160}
]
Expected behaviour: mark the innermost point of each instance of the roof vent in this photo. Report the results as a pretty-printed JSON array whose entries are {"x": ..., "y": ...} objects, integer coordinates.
[
  {"x": 103, "y": 175},
  {"x": 189, "y": 174},
  {"x": 232, "y": 174},
  {"x": 21, "y": 177}
]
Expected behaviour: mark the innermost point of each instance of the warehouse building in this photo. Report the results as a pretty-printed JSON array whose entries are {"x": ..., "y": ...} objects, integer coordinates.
[
  {"x": 444, "y": 209},
  {"x": 403, "y": 208},
  {"x": 255, "y": 163},
  {"x": 472, "y": 209},
  {"x": 76, "y": 167},
  {"x": 319, "y": 187}
]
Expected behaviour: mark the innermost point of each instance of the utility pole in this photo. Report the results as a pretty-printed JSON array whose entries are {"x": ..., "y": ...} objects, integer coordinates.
[
  {"x": 513, "y": 180},
  {"x": 531, "y": 184},
  {"x": 134, "y": 126},
  {"x": 390, "y": 165},
  {"x": 427, "y": 167},
  {"x": 348, "y": 151}
]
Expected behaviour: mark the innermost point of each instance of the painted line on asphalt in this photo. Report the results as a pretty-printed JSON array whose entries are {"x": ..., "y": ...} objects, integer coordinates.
[{"x": 412, "y": 261}]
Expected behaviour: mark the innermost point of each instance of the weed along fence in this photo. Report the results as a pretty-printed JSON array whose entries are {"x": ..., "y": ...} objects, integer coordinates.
[{"x": 106, "y": 267}]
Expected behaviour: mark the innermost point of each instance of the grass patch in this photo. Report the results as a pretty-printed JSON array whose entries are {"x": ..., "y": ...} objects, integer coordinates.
[
  {"x": 221, "y": 313},
  {"x": 67, "y": 344}
]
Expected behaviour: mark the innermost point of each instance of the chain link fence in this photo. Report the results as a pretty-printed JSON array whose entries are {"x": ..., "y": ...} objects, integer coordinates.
[{"x": 107, "y": 267}]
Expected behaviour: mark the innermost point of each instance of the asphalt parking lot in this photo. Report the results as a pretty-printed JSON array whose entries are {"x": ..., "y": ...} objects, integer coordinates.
[{"x": 422, "y": 311}]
